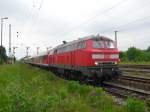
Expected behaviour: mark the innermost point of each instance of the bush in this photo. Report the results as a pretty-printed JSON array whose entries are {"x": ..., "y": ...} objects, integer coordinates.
[
  {"x": 51, "y": 77},
  {"x": 99, "y": 91},
  {"x": 85, "y": 90},
  {"x": 134, "y": 105},
  {"x": 73, "y": 87},
  {"x": 75, "y": 105},
  {"x": 63, "y": 93}
]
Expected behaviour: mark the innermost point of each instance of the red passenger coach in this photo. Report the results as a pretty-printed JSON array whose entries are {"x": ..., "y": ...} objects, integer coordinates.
[{"x": 92, "y": 58}]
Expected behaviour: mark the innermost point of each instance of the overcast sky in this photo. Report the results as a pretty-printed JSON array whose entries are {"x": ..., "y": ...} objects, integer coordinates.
[{"x": 45, "y": 23}]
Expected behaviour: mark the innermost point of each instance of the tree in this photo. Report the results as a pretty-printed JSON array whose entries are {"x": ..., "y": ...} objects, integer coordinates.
[
  {"x": 134, "y": 54},
  {"x": 123, "y": 56},
  {"x": 3, "y": 56},
  {"x": 148, "y": 49}
]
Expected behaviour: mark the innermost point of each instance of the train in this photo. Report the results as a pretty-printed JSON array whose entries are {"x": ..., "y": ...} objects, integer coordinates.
[{"x": 88, "y": 59}]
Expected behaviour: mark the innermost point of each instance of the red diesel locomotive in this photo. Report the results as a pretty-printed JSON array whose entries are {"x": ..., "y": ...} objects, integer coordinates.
[{"x": 92, "y": 58}]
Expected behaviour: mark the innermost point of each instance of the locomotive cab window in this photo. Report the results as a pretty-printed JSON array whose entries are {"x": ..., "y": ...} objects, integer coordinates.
[
  {"x": 103, "y": 44},
  {"x": 109, "y": 44},
  {"x": 98, "y": 44}
]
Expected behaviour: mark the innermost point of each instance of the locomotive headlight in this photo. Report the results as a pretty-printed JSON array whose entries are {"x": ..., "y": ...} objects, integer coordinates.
[
  {"x": 114, "y": 56},
  {"x": 96, "y": 63},
  {"x": 116, "y": 63},
  {"x": 97, "y": 56}
]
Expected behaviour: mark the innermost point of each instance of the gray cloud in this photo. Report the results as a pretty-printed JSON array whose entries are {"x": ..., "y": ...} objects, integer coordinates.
[{"x": 58, "y": 20}]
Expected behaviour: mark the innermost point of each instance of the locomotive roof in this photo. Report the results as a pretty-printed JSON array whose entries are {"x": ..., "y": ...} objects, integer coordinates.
[
  {"x": 75, "y": 41},
  {"x": 83, "y": 39}
]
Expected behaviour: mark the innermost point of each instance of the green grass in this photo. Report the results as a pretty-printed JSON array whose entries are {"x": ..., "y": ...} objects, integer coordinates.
[
  {"x": 134, "y": 105},
  {"x": 24, "y": 88}
]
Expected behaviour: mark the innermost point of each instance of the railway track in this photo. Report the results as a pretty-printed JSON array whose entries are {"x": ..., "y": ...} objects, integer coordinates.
[
  {"x": 129, "y": 86},
  {"x": 125, "y": 91},
  {"x": 135, "y": 68},
  {"x": 137, "y": 79}
]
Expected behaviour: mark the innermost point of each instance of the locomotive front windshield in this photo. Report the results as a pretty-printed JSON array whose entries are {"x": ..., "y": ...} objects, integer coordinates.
[{"x": 103, "y": 44}]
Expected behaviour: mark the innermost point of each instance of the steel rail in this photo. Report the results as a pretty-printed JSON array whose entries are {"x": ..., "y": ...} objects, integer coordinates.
[
  {"x": 138, "y": 91},
  {"x": 134, "y": 66},
  {"x": 137, "y": 79}
]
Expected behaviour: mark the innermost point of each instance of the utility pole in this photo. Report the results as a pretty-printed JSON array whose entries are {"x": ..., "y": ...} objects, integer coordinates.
[
  {"x": 9, "y": 40},
  {"x": 27, "y": 51},
  {"x": 37, "y": 50},
  {"x": 116, "y": 39},
  {"x": 2, "y": 30}
]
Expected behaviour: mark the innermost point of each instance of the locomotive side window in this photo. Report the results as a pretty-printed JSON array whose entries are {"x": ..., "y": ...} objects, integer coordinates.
[
  {"x": 71, "y": 47},
  {"x": 81, "y": 45}
]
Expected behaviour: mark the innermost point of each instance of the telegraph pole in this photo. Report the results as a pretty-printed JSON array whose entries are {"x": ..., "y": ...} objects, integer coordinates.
[
  {"x": 116, "y": 39},
  {"x": 9, "y": 40}
]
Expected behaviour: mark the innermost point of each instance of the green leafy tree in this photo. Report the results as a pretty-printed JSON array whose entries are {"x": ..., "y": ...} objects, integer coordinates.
[
  {"x": 123, "y": 56},
  {"x": 134, "y": 54},
  {"x": 3, "y": 56},
  {"x": 148, "y": 49}
]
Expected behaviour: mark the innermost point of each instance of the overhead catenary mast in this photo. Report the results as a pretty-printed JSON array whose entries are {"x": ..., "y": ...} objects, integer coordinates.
[{"x": 9, "y": 40}]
